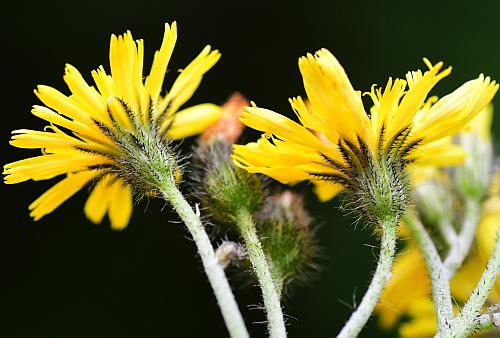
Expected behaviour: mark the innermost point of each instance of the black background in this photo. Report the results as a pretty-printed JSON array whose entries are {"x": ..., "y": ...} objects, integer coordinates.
[{"x": 65, "y": 277}]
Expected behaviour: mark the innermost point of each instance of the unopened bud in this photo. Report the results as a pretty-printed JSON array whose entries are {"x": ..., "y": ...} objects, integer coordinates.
[
  {"x": 223, "y": 189},
  {"x": 284, "y": 229},
  {"x": 229, "y": 128},
  {"x": 472, "y": 178},
  {"x": 229, "y": 252},
  {"x": 432, "y": 199}
]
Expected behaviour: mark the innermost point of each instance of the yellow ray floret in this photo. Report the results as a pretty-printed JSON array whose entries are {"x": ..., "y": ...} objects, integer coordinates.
[
  {"x": 84, "y": 141},
  {"x": 334, "y": 128}
]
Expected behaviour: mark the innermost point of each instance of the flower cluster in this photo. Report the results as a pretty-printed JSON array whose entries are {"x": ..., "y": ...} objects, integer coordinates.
[{"x": 118, "y": 137}]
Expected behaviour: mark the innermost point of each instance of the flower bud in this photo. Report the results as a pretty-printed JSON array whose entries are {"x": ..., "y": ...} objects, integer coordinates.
[
  {"x": 229, "y": 128},
  {"x": 432, "y": 198},
  {"x": 472, "y": 179},
  {"x": 229, "y": 252},
  {"x": 284, "y": 228},
  {"x": 224, "y": 189}
]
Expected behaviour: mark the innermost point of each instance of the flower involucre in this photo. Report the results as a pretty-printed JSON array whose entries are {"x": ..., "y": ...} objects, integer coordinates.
[
  {"x": 337, "y": 141},
  {"x": 107, "y": 133}
]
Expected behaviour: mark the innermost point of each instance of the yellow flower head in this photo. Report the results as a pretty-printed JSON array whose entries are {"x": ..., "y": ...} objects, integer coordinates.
[
  {"x": 107, "y": 133},
  {"x": 337, "y": 142}
]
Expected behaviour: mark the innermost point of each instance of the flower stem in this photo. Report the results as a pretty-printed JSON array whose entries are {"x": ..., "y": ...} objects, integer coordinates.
[
  {"x": 276, "y": 323},
  {"x": 439, "y": 276},
  {"x": 214, "y": 271},
  {"x": 463, "y": 242},
  {"x": 382, "y": 275},
  {"x": 467, "y": 321}
]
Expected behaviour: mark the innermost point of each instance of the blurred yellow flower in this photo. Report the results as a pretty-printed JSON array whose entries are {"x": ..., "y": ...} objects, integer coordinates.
[
  {"x": 408, "y": 292},
  {"x": 87, "y": 127},
  {"x": 336, "y": 135}
]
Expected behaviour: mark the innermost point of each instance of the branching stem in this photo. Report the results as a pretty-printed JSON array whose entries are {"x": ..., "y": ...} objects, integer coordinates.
[
  {"x": 439, "y": 276},
  {"x": 467, "y": 321},
  {"x": 463, "y": 242}
]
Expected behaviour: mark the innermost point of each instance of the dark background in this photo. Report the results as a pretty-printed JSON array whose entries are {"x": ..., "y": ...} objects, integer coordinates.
[{"x": 65, "y": 277}]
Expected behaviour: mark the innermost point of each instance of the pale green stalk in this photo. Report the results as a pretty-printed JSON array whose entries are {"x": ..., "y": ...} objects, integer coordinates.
[
  {"x": 463, "y": 242},
  {"x": 439, "y": 275},
  {"x": 467, "y": 321},
  {"x": 382, "y": 275},
  {"x": 448, "y": 233},
  {"x": 214, "y": 271},
  {"x": 276, "y": 322}
]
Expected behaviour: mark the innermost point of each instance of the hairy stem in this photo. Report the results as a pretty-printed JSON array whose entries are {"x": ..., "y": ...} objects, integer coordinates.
[
  {"x": 382, "y": 275},
  {"x": 214, "y": 271},
  {"x": 276, "y": 323},
  {"x": 467, "y": 321},
  {"x": 439, "y": 276},
  {"x": 448, "y": 233},
  {"x": 463, "y": 242}
]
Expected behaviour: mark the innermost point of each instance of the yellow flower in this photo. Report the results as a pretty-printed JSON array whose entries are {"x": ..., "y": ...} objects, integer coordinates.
[
  {"x": 337, "y": 138},
  {"x": 95, "y": 133}
]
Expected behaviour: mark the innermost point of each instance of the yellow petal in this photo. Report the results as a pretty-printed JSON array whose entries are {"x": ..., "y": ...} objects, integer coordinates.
[
  {"x": 97, "y": 203},
  {"x": 85, "y": 95},
  {"x": 326, "y": 190},
  {"x": 188, "y": 81},
  {"x": 154, "y": 81},
  {"x": 333, "y": 97},
  {"x": 59, "y": 193},
  {"x": 193, "y": 120},
  {"x": 455, "y": 110},
  {"x": 33, "y": 139},
  {"x": 440, "y": 153},
  {"x": 121, "y": 113},
  {"x": 270, "y": 151},
  {"x": 103, "y": 82},
  {"x": 122, "y": 50},
  {"x": 273, "y": 123},
  {"x": 84, "y": 131},
  {"x": 47, "y": 166},
  {"x": 285, "y": 175},
  {"x": 313, "y": 121},
  {"x": 64, "y": 105},
  {"x": 386, "y": 105},
  {"x": 120, "y": 204},
  {"x": 420, "y": 86},
  {"x": 423, "y": 327}
]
